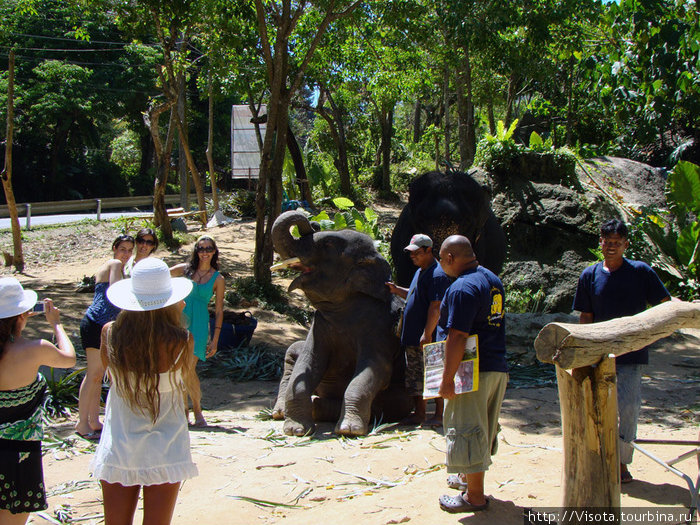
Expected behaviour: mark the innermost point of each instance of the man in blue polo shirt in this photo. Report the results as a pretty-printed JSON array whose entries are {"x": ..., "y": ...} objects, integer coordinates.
[
  {"x": 419, "y": 321},
  {"x": 619, "y": 287},
  {"x": 473, "y": 305}
]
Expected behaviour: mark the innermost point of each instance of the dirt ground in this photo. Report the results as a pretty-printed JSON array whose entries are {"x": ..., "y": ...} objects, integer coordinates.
[{"x": 393, "y": 476}]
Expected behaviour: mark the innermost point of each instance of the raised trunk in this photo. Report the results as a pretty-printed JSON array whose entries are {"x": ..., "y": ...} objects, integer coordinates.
[{"x": 284, "y": 243}]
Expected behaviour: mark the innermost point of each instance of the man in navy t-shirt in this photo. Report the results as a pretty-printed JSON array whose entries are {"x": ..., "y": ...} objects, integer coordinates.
[
  {"x": 420, "y": 318},
  {"x": 473, "y": 305},
  {"x": 619, "y": 287}
]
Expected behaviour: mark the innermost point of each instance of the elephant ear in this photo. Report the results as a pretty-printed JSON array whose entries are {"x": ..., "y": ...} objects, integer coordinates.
[{"x": 369, "y": 275}]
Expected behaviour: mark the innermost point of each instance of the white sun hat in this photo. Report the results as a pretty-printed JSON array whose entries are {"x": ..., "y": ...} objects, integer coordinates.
[
  {"x": 149, "y": 288},
  {"x": 14, "y": 299}
]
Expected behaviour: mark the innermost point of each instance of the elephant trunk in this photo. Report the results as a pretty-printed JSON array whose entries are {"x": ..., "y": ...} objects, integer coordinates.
[{"x": 285, "y": 244}]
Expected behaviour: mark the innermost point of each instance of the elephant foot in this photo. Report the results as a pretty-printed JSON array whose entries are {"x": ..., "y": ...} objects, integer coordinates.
[
  {"x": 351, "y": 427},
  {"x": 298, "y": 428},
  {"x": 278, "y": 411}
]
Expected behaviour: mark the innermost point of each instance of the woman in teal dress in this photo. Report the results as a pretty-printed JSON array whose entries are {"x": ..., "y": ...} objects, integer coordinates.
[{"x": 202, "y": 269}]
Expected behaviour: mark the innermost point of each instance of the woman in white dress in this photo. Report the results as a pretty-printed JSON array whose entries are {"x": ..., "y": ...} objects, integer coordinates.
[{"x": 145, "y": 441}]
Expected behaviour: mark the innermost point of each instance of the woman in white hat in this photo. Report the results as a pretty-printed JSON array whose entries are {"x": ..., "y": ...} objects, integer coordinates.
[
  {"x": 145, "y": 440},
  {"x": 22, "y": 391}
]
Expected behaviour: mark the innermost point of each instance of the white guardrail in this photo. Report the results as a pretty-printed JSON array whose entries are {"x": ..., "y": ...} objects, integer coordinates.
[{"x": 107, "y": 203}]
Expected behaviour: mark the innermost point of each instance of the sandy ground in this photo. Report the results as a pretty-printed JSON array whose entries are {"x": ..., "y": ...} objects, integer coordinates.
[{"x": 393, "y": 476}]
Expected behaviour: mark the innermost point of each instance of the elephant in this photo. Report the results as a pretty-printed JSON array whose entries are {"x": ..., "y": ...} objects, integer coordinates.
[
  {"x": 444, "y": 204},
  {"x": 351, "y": 363}
]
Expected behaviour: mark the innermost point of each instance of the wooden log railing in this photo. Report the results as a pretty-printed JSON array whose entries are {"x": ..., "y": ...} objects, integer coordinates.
[{"x": 584, "y": 358}]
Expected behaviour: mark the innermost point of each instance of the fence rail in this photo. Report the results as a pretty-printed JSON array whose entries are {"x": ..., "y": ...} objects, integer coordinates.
[{"x": 107, "y": 203}]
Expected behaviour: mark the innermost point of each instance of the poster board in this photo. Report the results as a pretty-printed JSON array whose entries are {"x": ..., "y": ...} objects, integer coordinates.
[{"x": 467, "y": 376}]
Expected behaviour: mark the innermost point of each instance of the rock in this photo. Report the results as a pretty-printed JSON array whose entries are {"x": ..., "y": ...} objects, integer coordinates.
[
  {"x": 179, "y": 225},
  {"x": 522, "y": 329},
  {"x": 551, "y": 217}
]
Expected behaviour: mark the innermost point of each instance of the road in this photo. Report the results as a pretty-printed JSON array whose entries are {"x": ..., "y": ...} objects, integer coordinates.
[{"x": 41, "y": 220}]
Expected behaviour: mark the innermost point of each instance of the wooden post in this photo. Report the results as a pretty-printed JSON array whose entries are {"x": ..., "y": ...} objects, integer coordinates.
[
  {"x": 588, "y": 401},
  {"x": 588, "y": 394}
]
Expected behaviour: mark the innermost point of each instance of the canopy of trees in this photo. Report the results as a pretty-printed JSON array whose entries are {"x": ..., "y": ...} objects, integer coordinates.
[{"x": 373, "y": 91}]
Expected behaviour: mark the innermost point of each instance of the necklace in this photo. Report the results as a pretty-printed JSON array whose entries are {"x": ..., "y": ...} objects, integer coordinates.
[{"x": 199, "y": 277}]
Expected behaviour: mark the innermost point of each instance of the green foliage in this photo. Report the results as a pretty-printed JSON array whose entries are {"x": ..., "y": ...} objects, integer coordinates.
[
  {"x": 268, "y": 296},
  {"x": 62, "y": 393},
  {"x": 245, "y": 363},
  {"x": 502, "y": 134},
  {"x": 520, "y": 301},
  {"x": 349, "y": 217},
  {"x": 676, "y": 233}
]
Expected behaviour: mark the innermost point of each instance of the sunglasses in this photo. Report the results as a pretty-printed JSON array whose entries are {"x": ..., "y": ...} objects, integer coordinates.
[
  {"x": 205, "y": 249},
  {"x": 149, "y": 242}
]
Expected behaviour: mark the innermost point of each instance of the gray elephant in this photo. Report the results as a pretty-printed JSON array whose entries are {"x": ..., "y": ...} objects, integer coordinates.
[
  {"x": 444, "y": 204},
  {"x": 351, "y": 355}
]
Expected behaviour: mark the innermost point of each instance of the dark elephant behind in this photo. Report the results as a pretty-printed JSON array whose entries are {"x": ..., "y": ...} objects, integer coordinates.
[{"x": 444, "y": 204}]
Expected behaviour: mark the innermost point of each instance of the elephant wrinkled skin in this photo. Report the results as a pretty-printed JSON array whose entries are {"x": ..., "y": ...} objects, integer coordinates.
[
  {"x": 351, "y": 354},
  {"x": 444, "y": 204}
]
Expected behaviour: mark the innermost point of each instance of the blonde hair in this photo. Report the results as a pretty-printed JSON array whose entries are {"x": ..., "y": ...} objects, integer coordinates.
[{"x": 140, "y": 344}]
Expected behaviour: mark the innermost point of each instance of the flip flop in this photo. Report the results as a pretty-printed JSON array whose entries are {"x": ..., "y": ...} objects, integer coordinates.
[
  {"x": 454, "y": 481},
  {"x": 626, "y": 477},
  {"x": 455, "y": 504},
  {"x": 90, "y": 436}
]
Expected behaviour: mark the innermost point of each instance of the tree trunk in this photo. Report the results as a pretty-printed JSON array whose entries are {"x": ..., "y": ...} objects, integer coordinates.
[
  {"x": 181, "y": 159},
  {"x": 570, "y": 103},
  {"x": 575, "y": 345},
  {"x": 162, "y": 155},
  {"x": 386, "y": 123},
  {"x": 513, "y": 82},
  {"x": 342, "y": 145},
  {"x": 210, "y": 147},
  {"x": 491, "y": 117},
  {"x": 588, "y": 401},
  {"x": 193, "y": 167},
  {"x": 298, "y": 160},
  {"x": 465, "y": 110},
  {"x": 446, "y": 114},
  {"x": 417, "y": 129},
  {"x": 18, "y": 256}
]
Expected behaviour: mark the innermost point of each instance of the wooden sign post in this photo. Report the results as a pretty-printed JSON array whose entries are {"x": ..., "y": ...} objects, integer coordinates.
[{"x": 583, "y": 355}]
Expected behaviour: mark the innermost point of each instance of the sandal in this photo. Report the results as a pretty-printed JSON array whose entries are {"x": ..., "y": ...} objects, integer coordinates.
[
  {"x": 626, "y": 477},
  {"x": 454, "y": 481},
  {"x": 90, "y": 436},
  {"x": 457, "y": 503}
]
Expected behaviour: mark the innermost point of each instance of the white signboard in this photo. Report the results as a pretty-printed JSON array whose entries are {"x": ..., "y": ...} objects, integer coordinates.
[{"x": 245, "y": 152}]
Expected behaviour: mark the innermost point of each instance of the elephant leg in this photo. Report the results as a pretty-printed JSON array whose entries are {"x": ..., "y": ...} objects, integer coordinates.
[
  {"x": 290, "y": 358},
  {"x": 326, "y": 408},
  {"x": 370, "y": 379},
  {"x": 307, "y": 374}
]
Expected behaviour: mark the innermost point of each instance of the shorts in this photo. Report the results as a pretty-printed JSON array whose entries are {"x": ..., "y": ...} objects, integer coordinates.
[
  {"x": 21, "y": 476},
  {"x": 414, "y": 370},
  {"x": 471, "y": 424},
  {"x": 90, "y": 333}
]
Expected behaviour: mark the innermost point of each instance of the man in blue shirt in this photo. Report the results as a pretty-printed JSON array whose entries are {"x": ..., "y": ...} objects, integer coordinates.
[
  {"x": 420, "y": 318},
  {"x": 619, "y": 287},
  {"x": 473, "y": 305}
]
